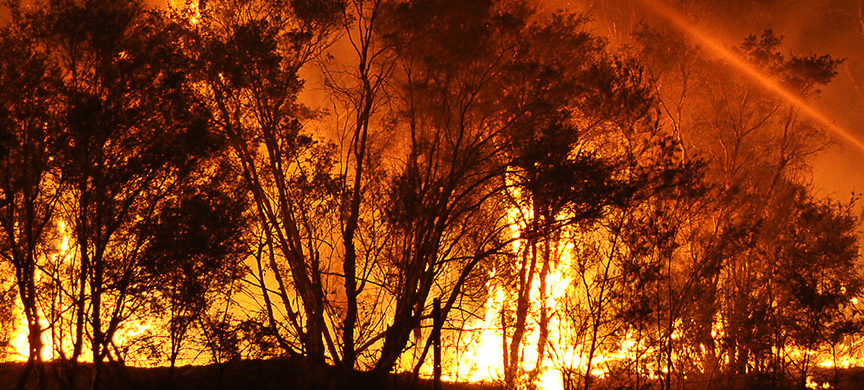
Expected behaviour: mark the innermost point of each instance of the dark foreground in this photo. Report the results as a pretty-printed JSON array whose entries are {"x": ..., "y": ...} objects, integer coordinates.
[
  {"x": 242, "y": 375},
  {"x": 289, "y": 374}
]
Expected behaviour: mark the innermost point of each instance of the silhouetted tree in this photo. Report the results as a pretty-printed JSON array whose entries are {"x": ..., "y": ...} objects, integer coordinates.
[
  {"x": 30, "y": 179},
  {"x": 815, "y": 252},
  {"x": 195, "y": 251},
  {"x": 756, "y": 147},
  {"x": 249, "y": 55},
  {"x": 528, "y": 102},
  {"x": 132, "y": 135},
  {"x": 358, "y": 89}
]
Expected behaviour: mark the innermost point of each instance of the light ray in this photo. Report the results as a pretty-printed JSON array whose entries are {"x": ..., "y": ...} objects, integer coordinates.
[{"x": 769, "y": 83}]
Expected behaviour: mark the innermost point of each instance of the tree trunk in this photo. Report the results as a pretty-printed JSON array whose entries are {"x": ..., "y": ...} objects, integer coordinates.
[
  {"x": 96, "y": 324},
  {"x": 25, "y": 266},
  {"x": 523, "y": 304},
  {"x": 437, "y": 324},
  {"x": 544, "y": 311}
]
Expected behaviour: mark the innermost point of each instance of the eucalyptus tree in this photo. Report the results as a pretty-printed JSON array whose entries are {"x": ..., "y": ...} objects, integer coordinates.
[
  {"x": 195, "y": 250},
  {"x": 131, "y": 137},
  {"x": 757, "y": 148},
  {"x": 505, "y": 108},
  {"x": 32, "y": 182},
  {"x": 248, "y": 55}
]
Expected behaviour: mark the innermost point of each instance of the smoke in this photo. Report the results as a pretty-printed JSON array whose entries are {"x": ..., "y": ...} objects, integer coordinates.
[{"x": 834, "y": 27}]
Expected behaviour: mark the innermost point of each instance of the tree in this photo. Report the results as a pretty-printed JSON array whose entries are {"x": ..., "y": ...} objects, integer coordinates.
[
  {"x": 130, "y": 139},
  {"x": 32, "y": 183},
  {"x": 444, "y": 201},
  {"x": 529, "y": 102},
  {"x": 194, "y": 251},
  {"x": 359, "y": 90},
  {"x": 248, "y": 58},
  {"x": 570, "y": 176},
  {"x": 816, "y": 252},
  {"x": 756, "y": 147}
]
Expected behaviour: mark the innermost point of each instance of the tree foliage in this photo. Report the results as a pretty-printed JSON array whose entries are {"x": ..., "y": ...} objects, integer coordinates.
[{"x": 237, "y": 179}]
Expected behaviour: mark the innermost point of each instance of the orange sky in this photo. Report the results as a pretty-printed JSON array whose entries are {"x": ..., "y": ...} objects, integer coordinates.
[{"x": 834, "y": 27}]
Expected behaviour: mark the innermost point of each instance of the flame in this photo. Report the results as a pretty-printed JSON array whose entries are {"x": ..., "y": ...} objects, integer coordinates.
[
  {"x": 190, "y": 8},
  {"x": 482, "y": 361},
  {"x": 767, "y": 82},
  {"x": 812, "y": 384},
  {"x": 19, "y": 345}
]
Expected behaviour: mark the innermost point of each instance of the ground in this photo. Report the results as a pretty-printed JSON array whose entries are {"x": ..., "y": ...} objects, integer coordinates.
[
  {"x": 243, "y": 375},
  {"x": 287, "y": 374}
]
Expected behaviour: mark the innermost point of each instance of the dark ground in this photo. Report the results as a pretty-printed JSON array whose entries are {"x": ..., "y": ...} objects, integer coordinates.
[
  {"x": 289, "y": 374},
  {"x": 241, "y": 375}
]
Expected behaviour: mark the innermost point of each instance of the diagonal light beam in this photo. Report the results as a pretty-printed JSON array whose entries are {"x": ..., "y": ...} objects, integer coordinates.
[{"x": 769, "y": 83}]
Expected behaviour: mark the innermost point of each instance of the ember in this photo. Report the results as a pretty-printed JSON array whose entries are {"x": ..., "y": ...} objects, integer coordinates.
[{"x": 482, "y": 191}]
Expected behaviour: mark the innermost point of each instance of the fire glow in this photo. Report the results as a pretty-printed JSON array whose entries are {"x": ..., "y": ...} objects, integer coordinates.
[
  {"x": 769, "y": 83},
  {"x": 334, "y": 248}
]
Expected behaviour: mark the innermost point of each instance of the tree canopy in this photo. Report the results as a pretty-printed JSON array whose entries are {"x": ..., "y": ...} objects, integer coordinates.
[{"x": 239, "y": 179}]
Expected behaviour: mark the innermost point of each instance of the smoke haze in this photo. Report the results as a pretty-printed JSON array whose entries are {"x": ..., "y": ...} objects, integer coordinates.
[{"x": 834, "y": 27}]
